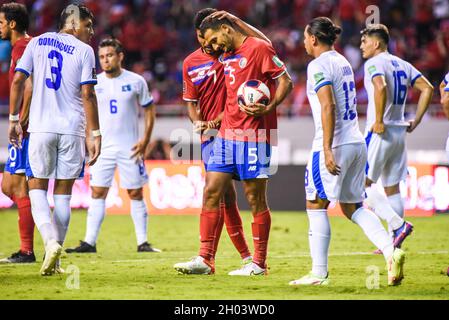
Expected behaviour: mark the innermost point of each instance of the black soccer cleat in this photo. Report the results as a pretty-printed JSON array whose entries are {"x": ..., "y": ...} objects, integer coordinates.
[
  {"x": 84, "y": 247},
  {"x": 19, "y": 257},
  {"x": 146, "y": 247}
]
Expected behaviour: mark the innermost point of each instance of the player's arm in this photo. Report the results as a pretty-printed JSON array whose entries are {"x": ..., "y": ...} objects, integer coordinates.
[
  {"x": 444, "y": 99},
  {"x": 285, "y": 86},
  {"x": 244, "y": 28},
  {"x": 93, "y": 136},
  {"x": 423, "y": 85},
  {"x": 27, "y": 94},
  {"x": 15, "y": 133},
  {"x": 149, "y": 118},
  {"x": 380, "y": 100},
  {"x": 195, "y": 117},
  {"x": 327, "y": 101}
]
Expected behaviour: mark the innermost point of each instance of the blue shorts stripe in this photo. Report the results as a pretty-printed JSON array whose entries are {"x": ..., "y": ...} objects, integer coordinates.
[
  {"x": 316, "y": 174},
  {"x": 367, "y": 141}
]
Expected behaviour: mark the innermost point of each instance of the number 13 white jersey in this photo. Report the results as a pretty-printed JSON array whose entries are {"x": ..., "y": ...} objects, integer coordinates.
[
  {"x": 331, "y": 68},
  {"x": 60, "y": 64}
]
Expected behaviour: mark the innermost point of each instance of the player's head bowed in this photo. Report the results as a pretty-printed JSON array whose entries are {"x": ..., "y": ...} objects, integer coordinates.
[
  {"x": 77, "y": 19},
  {"x": 218, "y": 33},
  {"x": 375, "y": 37},
  {"x": 199, "y": 17},
  {"x": 320, "y": 31}
]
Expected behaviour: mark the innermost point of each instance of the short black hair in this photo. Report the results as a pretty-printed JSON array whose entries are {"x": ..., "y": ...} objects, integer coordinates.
[
  {"x": 213, "y": 23},
  {"x": 17, "y": 12},
  {"x": 84, "y": 13},
  {"x": 112, "y": 42},
  {"x": 324, "y": 30},
  {"x": 378, "y": 30},
  {"x": 201, "y": 15}
]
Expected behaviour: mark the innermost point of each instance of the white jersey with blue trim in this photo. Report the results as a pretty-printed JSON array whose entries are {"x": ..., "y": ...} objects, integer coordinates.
[
  {"x": 60, "y": 65},
  {"x": 119, "y": 100},
  {"x": 399, "y": 76},
  {"x": 331, "y": 68},
  {"x": 446, "y": 82}
]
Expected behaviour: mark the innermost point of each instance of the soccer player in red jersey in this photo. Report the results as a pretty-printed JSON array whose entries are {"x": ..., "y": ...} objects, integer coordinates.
[
  {"x": 205, "y": 94},
  {"x": 14, "y": 21},
  {"x": 242, "y": 147}
]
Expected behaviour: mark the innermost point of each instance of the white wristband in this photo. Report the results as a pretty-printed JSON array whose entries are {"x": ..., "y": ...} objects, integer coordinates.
[
  {"x": 14, "y": 117},
  {"x": 96, "y": 133}
]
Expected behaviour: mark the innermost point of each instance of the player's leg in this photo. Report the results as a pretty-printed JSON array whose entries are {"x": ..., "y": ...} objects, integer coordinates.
[
  {"x": 234, "y": 224},
  {"x": 62, "y": 195}
]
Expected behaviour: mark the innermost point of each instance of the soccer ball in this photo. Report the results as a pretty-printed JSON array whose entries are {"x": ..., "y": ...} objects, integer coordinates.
[{"x": 253, "y": 91}]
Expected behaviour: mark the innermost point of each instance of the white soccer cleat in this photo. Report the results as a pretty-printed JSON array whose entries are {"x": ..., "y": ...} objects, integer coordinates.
[
  {"x": 197, "y": 265},
  {"x": 395, "y": 267},
  {"x": 58, "y": 269},
  {"x": 310, "y": 280},
  {"x": 248, "y": 269},
  {"x": 53, "y": 251}
]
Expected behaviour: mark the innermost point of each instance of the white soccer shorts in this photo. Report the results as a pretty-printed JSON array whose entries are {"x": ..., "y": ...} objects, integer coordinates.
[
  {"x": 447, "y": 148},
  {"x": 132, "y": 175},
  {"x": 348, "y": 186},
  {"x": 55, "y": 156},
  {"x": 387, "y": 156}
]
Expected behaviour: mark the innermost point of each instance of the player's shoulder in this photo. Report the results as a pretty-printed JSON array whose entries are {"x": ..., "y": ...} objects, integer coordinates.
[
  {"x": 131, "y": 76},
  {"x": 196, "y": 58},
  {"x": 257, "y": 44}
]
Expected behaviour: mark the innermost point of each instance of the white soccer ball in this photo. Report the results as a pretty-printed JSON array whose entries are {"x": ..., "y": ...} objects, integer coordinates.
[{"x": 253, "y": 91}]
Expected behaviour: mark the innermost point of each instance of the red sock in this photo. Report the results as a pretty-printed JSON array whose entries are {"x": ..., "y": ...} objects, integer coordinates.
[
  {"x": 219, "y": 228},
  {"x": 234, "y": 226},
  {"x": 209, "y": 227},
  {"x": 261, "y": 232},
  {"x": 26, "y": 224}
]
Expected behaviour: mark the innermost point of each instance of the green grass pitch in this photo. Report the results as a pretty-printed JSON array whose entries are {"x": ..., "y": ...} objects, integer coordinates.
[{"x": 117, "y": 271}]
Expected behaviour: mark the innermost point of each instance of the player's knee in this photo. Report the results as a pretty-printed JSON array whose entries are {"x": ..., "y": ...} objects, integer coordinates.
[
  {"x": 135, "y": 194},
  {"x": 230, "y": 197},
  {"x": 256, "y": 201},
  {"x": 98, "y": 193},
  {"x": 211, "y": 196},
  {"x": 7, "y": 189}
]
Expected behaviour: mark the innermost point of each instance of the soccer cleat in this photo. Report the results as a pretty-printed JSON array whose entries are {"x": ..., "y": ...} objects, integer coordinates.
[
  {"x": 146, "y": 247},
  {"x": 58, "y": 269},
  {"x": 84, "y": 247},
  {"x": 400, "y": 234},
  {"x": 19, "y": 257},
  {"x": 247, "y": 260},
  {"x": 378, "y": 251},
  {"x": 395, "y": 267},
  {"x": 197, "y": 265},
  {"x": 311, "y": 280},
  {"x": 53, "y": 251},
  {"x": 248, "y": 269}
]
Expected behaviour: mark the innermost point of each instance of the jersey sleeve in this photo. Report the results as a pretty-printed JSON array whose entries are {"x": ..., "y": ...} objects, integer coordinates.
[
  {"x": 25, "y": 63},
  {"x": 145, "y": 97},
  {"x": 446, "y": 81},
  {"x": 374, "y": 68},
  {"x": 318, "y": 75},
  {"x": 88, "y": 73},
  {"x": 270, "y": 62},
  {"x": 413, "y": 74},
  {"x": 189, "y": 91}
]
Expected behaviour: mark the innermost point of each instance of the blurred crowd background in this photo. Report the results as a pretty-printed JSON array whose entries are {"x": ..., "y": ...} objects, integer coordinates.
[{"x": 158, "y": 35}]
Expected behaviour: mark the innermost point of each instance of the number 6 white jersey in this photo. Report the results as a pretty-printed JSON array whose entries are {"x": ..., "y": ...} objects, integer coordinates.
[
  {"x": 119, "y": 100},
  {"x": 399, "y": 76},
  {"x": 331, "y": 68},
  {"x": 60, "y": 64}
]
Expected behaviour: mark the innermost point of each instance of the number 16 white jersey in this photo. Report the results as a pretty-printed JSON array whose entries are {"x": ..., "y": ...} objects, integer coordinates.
[
  {"x": 60, "y": 64},
  {"x": 331, "y": 68}
]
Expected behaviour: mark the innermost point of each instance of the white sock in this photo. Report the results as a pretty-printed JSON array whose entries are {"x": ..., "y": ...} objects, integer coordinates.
[
  {"x": 41, "y": 214},
  {"x": 374, "y": 230},
  {"x": 61, "y": 216},
  {"x": 382, "y": 208},
  {"x": 397, "y": 204},
  {"x": 319, "y": 238},
  {"x": 95, "y": 217},
  {"x": 139, "y": 215}
]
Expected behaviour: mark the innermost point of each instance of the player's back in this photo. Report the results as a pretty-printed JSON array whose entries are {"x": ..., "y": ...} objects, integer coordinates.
[
  {"x": 331, "y": 68},
  {"x": 399, "y": 76},
  {"x": 60, "y": 64}
]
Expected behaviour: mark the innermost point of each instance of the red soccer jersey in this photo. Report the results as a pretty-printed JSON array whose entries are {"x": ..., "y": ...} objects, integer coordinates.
[
  {"x": 255, "y": 59},
  {"x": 203, "y": 82}
]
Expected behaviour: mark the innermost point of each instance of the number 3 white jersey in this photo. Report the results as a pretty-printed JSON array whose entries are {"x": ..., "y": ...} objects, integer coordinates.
[
  {"x": 399, "y": 75},
  {"x": 119, "y": 99},
  {"x": 331, "y": 68},
  {"x": 60, "y": 64}
]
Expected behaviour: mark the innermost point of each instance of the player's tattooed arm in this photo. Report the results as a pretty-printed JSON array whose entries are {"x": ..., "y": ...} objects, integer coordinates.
[
  {"x": 15, "y": 133},
  {"x": 444, "y": 99},
  {"x": 380, "y": 100},
  {"x": 327, "y": 101},
  {"x": 93, "y": 141},
  {"x": 242, "y": 26},
  {"x": 423, "y": 85},
  {"x": 139, "y": 148}
]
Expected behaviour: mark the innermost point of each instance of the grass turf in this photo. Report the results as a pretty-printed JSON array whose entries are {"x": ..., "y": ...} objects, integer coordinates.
[{"x": 117, "y": 271}]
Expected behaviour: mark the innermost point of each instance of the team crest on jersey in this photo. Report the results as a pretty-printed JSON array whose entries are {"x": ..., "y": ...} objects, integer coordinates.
[
  {"x": 372, "y": 69},
  {"x": 126, "y": 88},
  {"x": 318, "y": 77},
  {"x": 277, "y": 61},
  {"x": 243, "y": 62}
]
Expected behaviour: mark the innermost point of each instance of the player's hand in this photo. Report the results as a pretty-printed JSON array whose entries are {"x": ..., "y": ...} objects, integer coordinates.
[
  {"x": 331, "y": 166},
  {"x": 200, "y": 126},
  {"x": 138, "y": 150},
  {"x": 412, "y": 125},
  {"x": 15, "y": 134},
  {"x": 224, "y": 14},
  {"x": 378, "y": 127},
  {"x": 255, "y": 109},
  {"x": 94, "y": 148}
]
